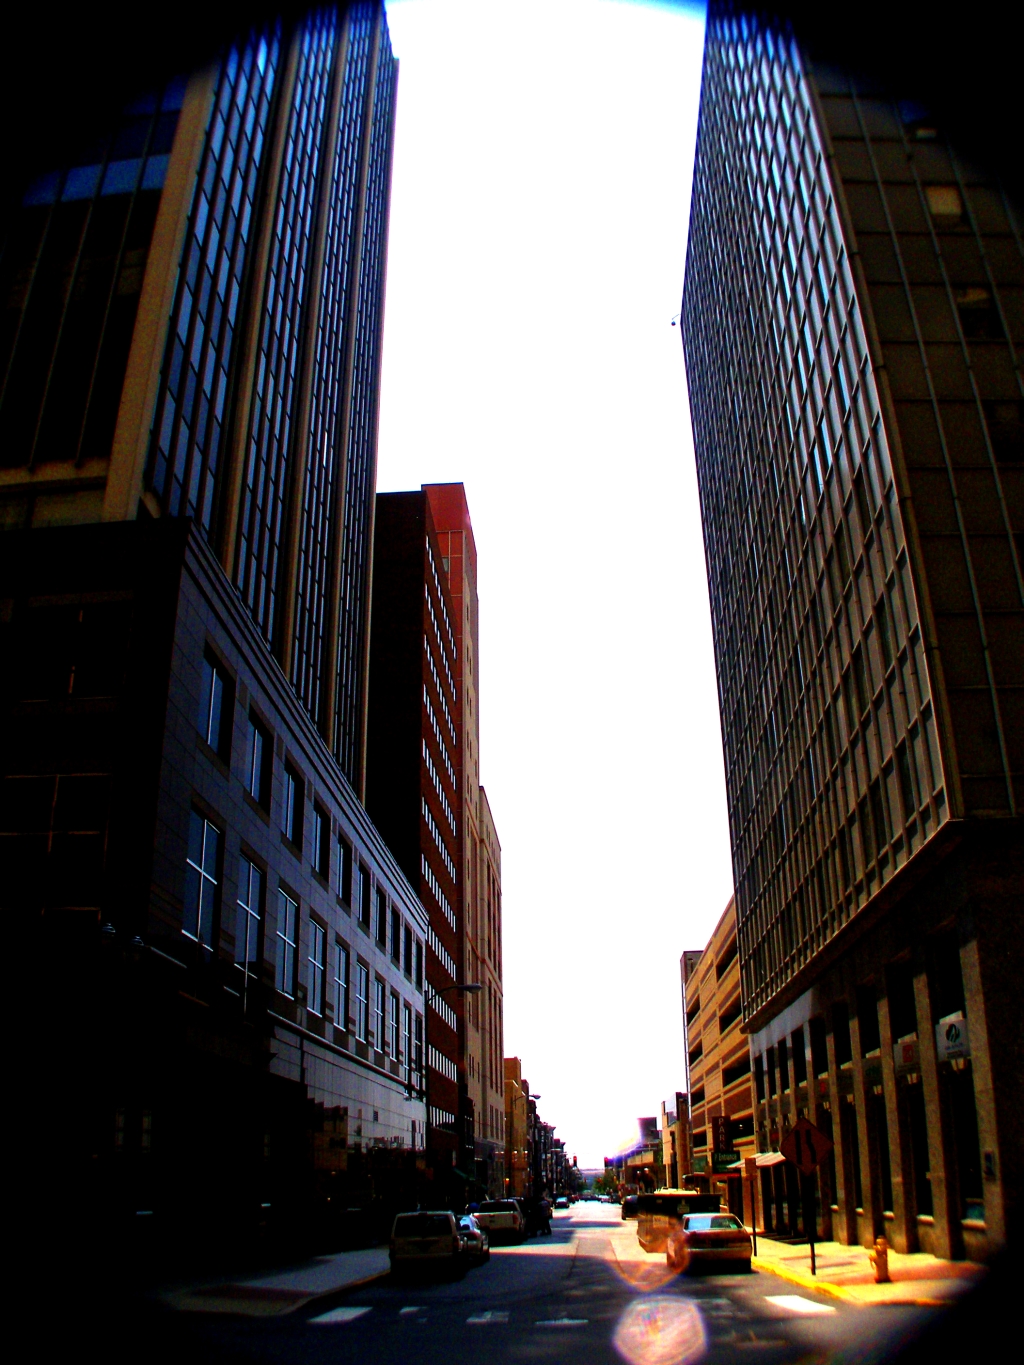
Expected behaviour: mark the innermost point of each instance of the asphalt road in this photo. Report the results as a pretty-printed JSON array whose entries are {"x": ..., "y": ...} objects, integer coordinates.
[{"x": 586, "y": 1293}]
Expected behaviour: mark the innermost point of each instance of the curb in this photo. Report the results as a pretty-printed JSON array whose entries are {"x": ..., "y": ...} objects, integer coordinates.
[
  {"x": 805, "y": 1281},
  {"x": 838, "y": 1291}
]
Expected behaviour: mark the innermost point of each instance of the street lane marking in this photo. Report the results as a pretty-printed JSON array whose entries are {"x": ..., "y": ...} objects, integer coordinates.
[
  {"x": 337, "y": 1315},
  {"x": 562, "y": 1322},
  {"x": 486, "y": 1319},
  {"x": 795, "y": 1303},
  {"x": 402, "y": 1312}
]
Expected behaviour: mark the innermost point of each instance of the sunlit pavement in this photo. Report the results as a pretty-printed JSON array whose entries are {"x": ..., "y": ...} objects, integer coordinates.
[{"x": 587, "y": 1293}]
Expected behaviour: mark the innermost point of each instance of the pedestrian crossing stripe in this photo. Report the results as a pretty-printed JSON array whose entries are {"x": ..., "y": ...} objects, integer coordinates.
[
  {"x": 487, "y": 1319},
  {"x": 796, "y": 1303},
  {"x": 339, "y": 1315},
  {"x": 562, "y": 1322}
]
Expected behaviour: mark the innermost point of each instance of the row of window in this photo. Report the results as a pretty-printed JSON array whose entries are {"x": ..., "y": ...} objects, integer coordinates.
[
  {"x": 440, "y": 690},
  {"x": 440, "y": 601},
  {"x": 449, "y": 766},
  {"x": 445, "y": 804},
  {"x": 377, "y": 1017},
  {"x": 427, "y": 873},
  {"x": 435, "y": 834},
  {"x": 353, "y": 883}
]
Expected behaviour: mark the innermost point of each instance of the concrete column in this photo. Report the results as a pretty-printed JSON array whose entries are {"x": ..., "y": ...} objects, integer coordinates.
[
  {"x": 869, "y": 1220},
  {"x": 844, "y": 1224},
  {"x": 984, "y": 1095},
  {"x": 944, "y": 1235},
  {"x": 901, "y": 1232}
]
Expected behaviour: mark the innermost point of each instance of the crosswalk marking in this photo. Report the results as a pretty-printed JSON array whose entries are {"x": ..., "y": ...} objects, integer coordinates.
[
  {"x": 562, "y": 1322},
  {"x": 796, "y": 1303},
  {"x": 337, "y": 1315},
  {"x": 404, "y": 1312},
  {"x": 486, "y": 1319}
]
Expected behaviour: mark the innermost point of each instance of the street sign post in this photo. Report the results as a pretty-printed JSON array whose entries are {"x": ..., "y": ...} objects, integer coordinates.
[{"x": 806, "y": 1147}]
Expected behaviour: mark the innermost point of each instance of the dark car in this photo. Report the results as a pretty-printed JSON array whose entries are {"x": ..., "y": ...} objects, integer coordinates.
[
  {"x": 630, "y": 1207},
  {"x": 702, "y": 1240},
  {"x": 428, "y": 1241}
]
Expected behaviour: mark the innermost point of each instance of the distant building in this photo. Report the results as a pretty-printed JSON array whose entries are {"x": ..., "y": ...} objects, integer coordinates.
[
  {"x": 518, "y": 1153},
  {"x": 721, "y": 1091},
  {"x": 852, "y": 325},
  {"x": 481, "y": 849},
  {"x": 676, "y": 1156},
  {"x": 414, "y": 742}
]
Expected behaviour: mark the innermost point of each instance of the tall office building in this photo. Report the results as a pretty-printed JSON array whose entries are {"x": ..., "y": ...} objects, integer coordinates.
[
  {"x": 193, "y": 329},
  {"x": 190, "y": 363},
  {"x": 852, "y": 318},
  {"x": 413, "y": 785},
  {"x": 481, "y": 850},
  {"x": 424, "y": 795}
]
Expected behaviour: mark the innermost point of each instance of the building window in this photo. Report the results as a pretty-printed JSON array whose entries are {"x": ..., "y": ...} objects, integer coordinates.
[
  {"x": 419, "y": 964},
  {"x": 344, "y": 870},
  {"x": 287, "y": 923},
  {"x": 215, "y": 718},
  {"x": 257, "y": 763},
  {"x": 407, "y": 1042},
  {"x": 396, "y": 935},
  {"x": 382, "y": 919},
  {"x": 393, "y": 1004},
  {"x": 201, "y": 875},
  {"x": 249, "y": 920},
  {"x": 315, "y": 981},
  {"x": 418, "y": 1052},
  {"x": 361, "y": 895},
  {"x": 378, "y": 1014},
  {"x": 944, "y": 203},
  {"x": 321, "y": 842},
  {"x": 291, "y": 821},
  {"x": 362, "y": 1003},
  {"x": 340, "y": 986},
  {"x": 407, "y": 953}
]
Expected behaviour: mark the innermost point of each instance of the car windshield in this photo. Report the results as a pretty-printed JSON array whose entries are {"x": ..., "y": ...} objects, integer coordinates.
[
  {"x": 711, "y": 1222},
  {"x": 422, "y": 1225}
]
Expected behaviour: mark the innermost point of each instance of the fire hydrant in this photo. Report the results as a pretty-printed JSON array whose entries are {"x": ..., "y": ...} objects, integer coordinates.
[{"x": 879, "y": 1259}]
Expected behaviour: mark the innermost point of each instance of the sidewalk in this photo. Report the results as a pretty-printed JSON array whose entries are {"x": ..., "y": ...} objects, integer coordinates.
[
  {"x": 284, "y": 1292},
  {"x": 844, "y": 1272}
]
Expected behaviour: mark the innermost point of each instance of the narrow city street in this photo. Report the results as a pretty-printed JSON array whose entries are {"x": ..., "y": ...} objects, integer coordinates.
[{"x": 586, "y": 1293}]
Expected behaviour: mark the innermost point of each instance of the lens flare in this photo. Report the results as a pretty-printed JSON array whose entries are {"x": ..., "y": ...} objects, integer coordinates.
[{"x": 660, "y": 1331}]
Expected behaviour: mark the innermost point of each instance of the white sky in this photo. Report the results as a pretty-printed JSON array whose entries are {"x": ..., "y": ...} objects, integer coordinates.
[{"x": 538, "y": 233}]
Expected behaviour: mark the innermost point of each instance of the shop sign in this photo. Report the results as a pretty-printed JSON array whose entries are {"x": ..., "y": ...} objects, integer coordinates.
[
  {"x": 952, "y": 1040},
  {"x": 721, "y": 1161}
]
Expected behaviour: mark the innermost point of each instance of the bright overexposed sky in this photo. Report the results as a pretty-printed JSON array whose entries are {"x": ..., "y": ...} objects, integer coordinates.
[{"x": 538, "y": 233}]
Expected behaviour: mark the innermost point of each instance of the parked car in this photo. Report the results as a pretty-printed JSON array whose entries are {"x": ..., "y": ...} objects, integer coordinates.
[
  {"x": 502, "y": 1218},
  {"x": 707, "y": 1239},
  {"x": 659, "y": 1214},
  {"x": 562, "y": 1202},
  {"x": 428, "y": 1241},
  {"x": 478, "y": 1246},
  {"x": 629, "y": 1208}
]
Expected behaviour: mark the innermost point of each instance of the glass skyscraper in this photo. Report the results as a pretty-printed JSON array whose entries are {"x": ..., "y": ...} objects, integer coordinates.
[
  {"x": 852, "y": 318},
  {"x": 189, "y": 374},
  {"x": 193, "y": 329}
]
